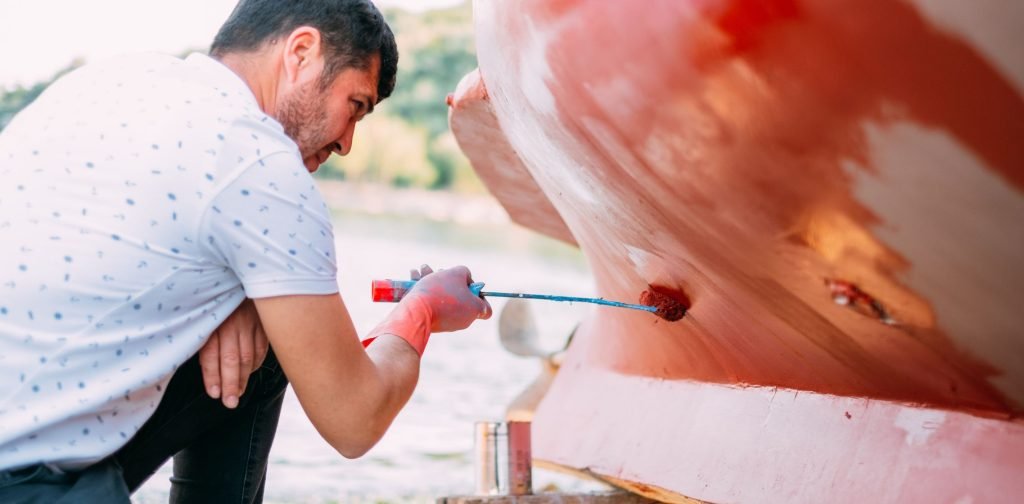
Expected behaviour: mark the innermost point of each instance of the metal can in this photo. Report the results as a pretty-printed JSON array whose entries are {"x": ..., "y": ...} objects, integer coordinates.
[
  {"x": 503, "y": 458},
  {"x": 520, "y": 459}
]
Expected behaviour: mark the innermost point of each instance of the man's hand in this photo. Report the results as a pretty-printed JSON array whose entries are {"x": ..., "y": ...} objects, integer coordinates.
[
  {"x": 439, "y": 302},
  {"x": 318, "y": 348},
  {"x": 452, "y": 305},
  {"x": 233, "y": 352}
]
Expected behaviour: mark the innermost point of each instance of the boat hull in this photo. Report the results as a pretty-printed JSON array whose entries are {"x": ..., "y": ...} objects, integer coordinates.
[{"x": 834, "y": 188}]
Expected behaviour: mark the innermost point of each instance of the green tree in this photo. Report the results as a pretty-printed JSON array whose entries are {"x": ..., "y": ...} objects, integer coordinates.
[
  {"x": 433, "y": 71},
  {"x": 387, "y": 150},
  {"x": 11, "y": 102},
  {"x": 436, "y": 52}
]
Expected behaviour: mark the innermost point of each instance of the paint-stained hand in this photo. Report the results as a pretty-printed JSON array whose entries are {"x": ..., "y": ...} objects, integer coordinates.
[
  {"x": 416, "y": 274},
  {"x": 233, "y": 352},
  {"x": 446, "y": 294}
]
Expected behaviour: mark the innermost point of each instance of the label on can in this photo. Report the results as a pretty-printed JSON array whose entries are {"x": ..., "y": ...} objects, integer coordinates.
[{"x": 503, "y": 458}]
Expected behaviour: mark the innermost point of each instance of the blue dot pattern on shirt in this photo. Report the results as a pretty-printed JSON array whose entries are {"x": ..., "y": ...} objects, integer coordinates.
[{"x": 137, "y": 223}]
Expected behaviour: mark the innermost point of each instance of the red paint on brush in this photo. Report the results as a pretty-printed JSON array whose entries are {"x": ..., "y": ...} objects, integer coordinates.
[{"x": 672, "y": 305}]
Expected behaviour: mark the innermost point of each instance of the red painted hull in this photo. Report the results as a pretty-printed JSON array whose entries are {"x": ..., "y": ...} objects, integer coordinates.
[{"x": 767, "y": 159}]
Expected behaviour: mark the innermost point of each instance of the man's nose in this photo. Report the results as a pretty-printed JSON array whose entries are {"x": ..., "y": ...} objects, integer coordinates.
[{"x": 346, "y": 139}]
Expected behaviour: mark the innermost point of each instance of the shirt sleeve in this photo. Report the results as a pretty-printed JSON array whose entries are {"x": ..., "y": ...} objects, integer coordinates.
[{"x": 273, "y": 229}]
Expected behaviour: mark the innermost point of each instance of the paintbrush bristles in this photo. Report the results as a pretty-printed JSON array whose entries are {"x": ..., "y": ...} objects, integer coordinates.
[{"x": 668, "y": 308}]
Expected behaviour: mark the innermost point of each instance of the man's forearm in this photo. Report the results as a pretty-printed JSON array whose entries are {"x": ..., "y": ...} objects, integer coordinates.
[
  {"x": 398, "y": 343},
  {"x": 351, "y": 396},
  {"x": 398, "y": 369}
]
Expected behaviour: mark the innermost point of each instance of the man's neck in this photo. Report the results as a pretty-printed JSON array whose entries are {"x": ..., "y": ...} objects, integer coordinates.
[{"x": 259, "y": 71}]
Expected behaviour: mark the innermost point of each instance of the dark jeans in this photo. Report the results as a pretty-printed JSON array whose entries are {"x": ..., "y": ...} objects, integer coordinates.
[{"x": 220, "y": 455}]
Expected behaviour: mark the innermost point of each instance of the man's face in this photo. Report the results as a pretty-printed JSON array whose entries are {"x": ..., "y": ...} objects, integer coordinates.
[{"x": 322, "y": 121}]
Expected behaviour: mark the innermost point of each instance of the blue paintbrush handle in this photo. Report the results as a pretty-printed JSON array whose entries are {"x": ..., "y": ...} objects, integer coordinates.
[
  {"x": 570, "y": 299},
  {"x": 394, "y": 290}
]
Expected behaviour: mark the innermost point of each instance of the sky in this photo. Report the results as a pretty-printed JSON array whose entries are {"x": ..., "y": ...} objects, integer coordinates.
[{"x": 40, "y": 37}]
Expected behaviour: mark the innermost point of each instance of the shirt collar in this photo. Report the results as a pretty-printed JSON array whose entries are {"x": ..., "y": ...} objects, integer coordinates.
[{"x": 224, "y": 78}]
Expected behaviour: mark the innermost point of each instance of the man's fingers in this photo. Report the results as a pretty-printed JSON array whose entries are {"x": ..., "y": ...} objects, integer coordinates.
[
  {"x": 247, "y": 359},
  {"x": 209, "y": 363},
  {"x": 462, "y": 272},
  {"x": 262, "y": 345},
  {"x": 230, "y": 369},
  {"x": 487, "y": 310}
]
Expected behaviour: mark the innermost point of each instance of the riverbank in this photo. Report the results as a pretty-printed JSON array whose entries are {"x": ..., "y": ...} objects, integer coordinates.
[{"x": 438, "y": 206}]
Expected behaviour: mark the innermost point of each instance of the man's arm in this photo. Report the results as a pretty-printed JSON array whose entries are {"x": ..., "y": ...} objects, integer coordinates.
[
  {"x": 349, "y": 394},
  {"x": 350, "y": 398}
]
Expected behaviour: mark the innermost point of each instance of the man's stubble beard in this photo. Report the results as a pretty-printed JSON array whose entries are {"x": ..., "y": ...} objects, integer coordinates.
[{"x": 304, "y": 120}]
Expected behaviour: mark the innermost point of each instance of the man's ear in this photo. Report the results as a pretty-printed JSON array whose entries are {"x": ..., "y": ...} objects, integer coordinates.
[{"x": 303, "y": 55}]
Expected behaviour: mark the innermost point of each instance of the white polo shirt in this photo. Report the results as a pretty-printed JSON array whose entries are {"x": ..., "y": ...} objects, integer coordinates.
[{"x": 141, "y": 200}]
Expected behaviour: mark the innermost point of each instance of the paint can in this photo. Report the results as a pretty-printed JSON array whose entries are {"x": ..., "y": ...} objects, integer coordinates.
[{"x": 503, "y": 459}]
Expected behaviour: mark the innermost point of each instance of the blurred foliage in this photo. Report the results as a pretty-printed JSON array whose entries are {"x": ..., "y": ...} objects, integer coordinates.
[
  {"x": 389, "y": 150},
  {"x": 436, "y": 50},
  {"x": 13, "y": 100},
  {"x": 406, "y": 141}
]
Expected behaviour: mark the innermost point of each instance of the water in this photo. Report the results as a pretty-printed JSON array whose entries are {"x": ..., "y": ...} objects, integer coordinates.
[{"x": 465, "y": 376}]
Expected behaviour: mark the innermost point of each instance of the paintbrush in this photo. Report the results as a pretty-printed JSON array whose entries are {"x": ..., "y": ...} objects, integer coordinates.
[{"x": 392, "y": 291}]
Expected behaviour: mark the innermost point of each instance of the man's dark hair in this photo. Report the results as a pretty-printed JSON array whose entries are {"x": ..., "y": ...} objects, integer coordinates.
[{"x": 352, "y": 32}]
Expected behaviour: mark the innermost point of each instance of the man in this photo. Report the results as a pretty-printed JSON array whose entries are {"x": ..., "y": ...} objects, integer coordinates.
[{"x": 150, "y": 202}]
